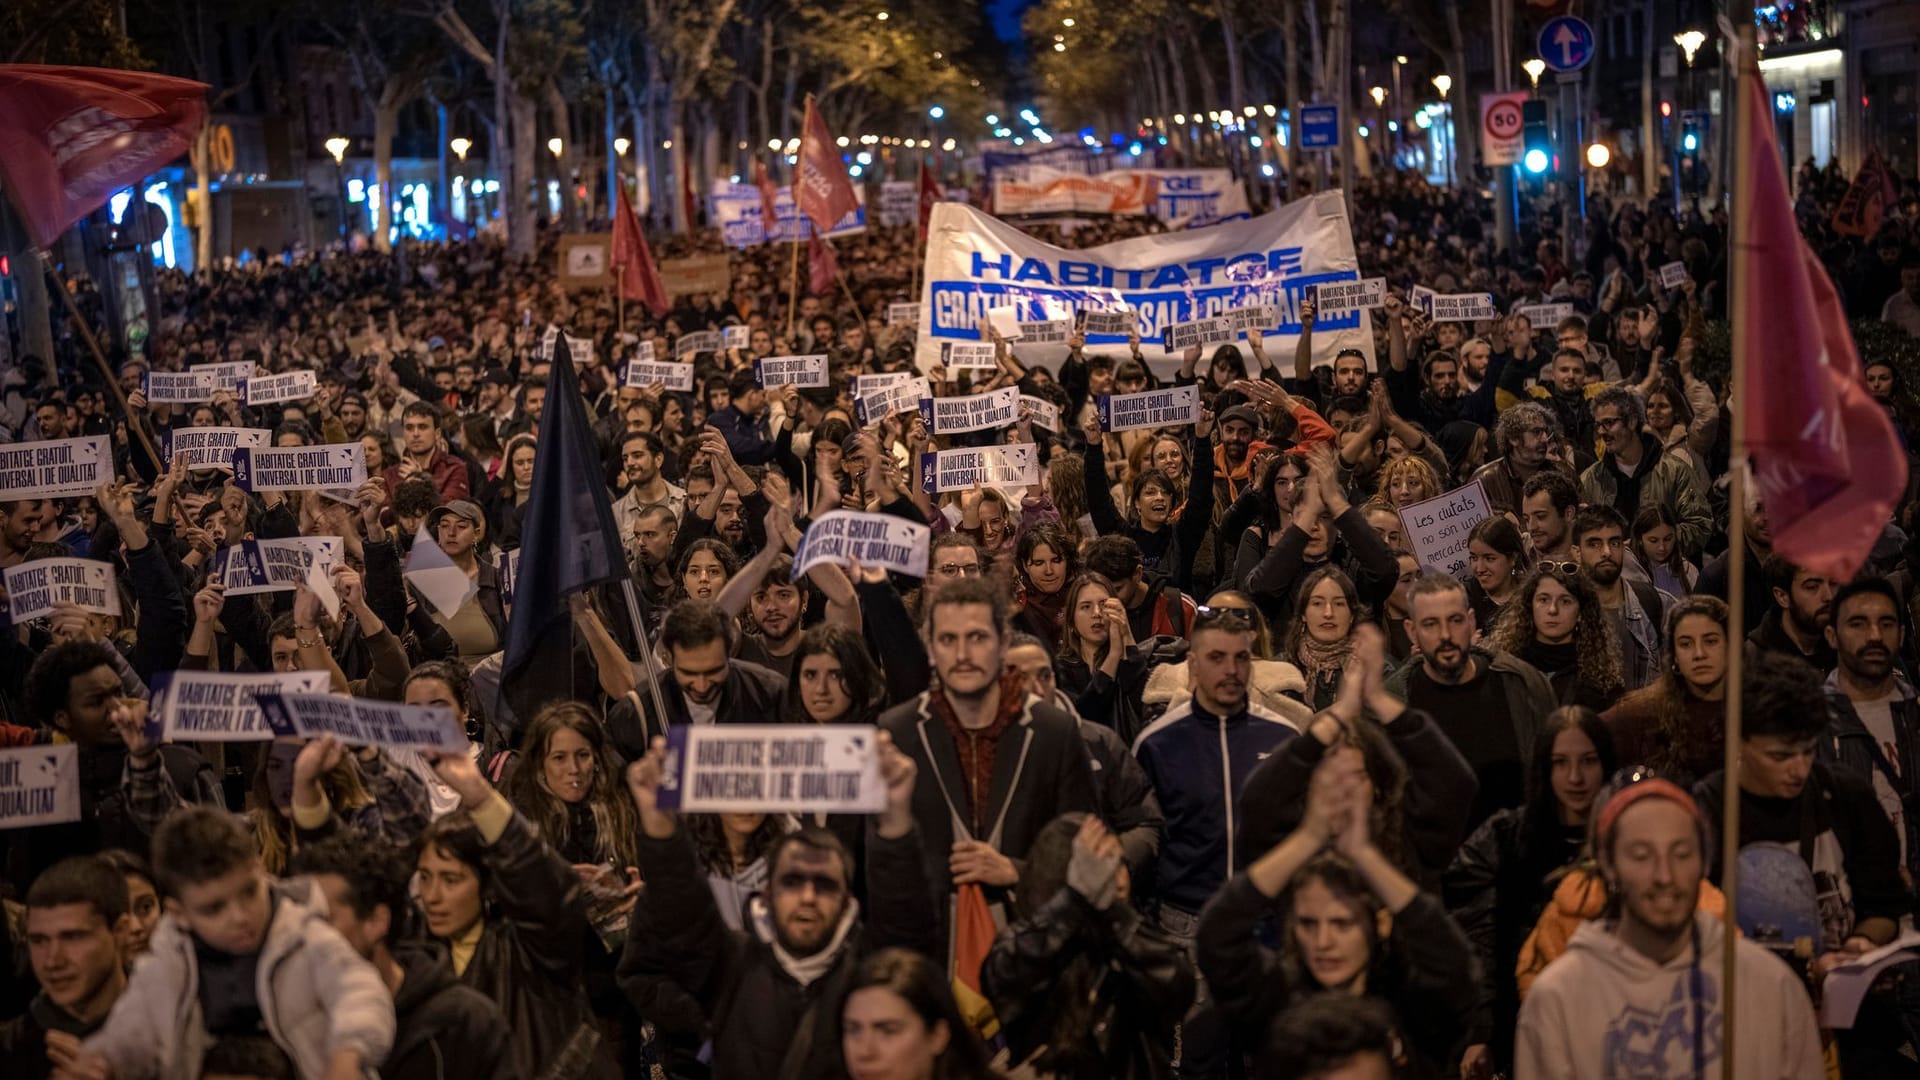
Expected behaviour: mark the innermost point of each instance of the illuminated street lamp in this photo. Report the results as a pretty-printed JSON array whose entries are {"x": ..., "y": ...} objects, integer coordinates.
[
  {"x": 1598, "y": 155},
  {"x": 337, "y": 146},
  {"x": 620, "y": 146},
  {"x": 1443, "y": 82},
  {"x": 460, "y": 146},
  {"x": 1535, "y": 68},
  {"x": 556, "y": 145},
  {"x": 1379, "y": 94},
  {"x": 1690, "y": 42}
]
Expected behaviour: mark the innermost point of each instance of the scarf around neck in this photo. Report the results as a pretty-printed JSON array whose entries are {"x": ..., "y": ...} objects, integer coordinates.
[{"x": 1322, "y": 661}]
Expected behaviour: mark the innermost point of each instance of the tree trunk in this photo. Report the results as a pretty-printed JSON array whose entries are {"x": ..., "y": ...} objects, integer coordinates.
[
  {"x": 386, "y": 122},
  {"x": 680, "y": 161},
  {"x": 1289, "y": 36},
  {"x": 1230, "y": 41},
  {"x": 203, "y": 192},
  {"x": 1462, "y": 134},
  {"x": 519, "y": 192},
  {"x": 561, "y": 115},
  {"x": 1650, "y": 148},
  {"x": 762, "y": 87}
]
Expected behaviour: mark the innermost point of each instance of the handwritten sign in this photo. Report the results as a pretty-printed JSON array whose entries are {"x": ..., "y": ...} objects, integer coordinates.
[
  {"x": 177, "y": 387},
  {"x": 218, "y": 706},
  {"x": 1544, "y": 316},
  {"x": 55, "y": 468},
  {"x": 211, "y": 447},
  {"x": 1044, "y": 413},
  {"x": 1464, "y": 307},
  {"x": 1013, "y": 465},
  {"x": 274, "y": 389},
  {"x": 33, "y": 588},
  {"x": 686, "y": 345},
  {"x": 1337, "y": 297},
  {"x": 1199, "y": 334},
  {"x": 1673, "y": 275},
  {"x": 1170, "y": 407},
  {"x": 229, "y": 376},
  {"x": 300, "y": 468},
  {"x": 1437, "y": 528},
  {"x": 903, "y": 396},
  {"x": 974, "y": 412},
  {"x": 1050, "y": 332},
  {"x": 967, "y": 356},
  {"x": 907, "y": 314},
  {"x": 801, "y": 371},
  {"x": 363, "y": 721},
  {"x": 40, "y": 785},
  {"x": 840, "y": 536},
  {"x": 773, "y": 768},
  {"x": 1113, "y": 323},
  {"x": 673, "y": 376}
]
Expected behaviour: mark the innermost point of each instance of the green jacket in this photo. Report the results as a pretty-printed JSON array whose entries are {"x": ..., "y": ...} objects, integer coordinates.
[
  {"x": 1665, "y": 480},
  {"x": 1529, "y": 696}
]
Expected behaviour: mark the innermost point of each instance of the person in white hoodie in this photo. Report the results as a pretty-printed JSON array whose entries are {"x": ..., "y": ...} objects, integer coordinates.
[{"x": 1638, "y": 992}]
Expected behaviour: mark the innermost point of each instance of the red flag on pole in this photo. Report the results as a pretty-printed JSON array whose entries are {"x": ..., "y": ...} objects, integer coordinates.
[
  {"x": 639, "y": 275},
  {"x": 1828, "y": 465},
  {"x": 822, "y": 191},
  {"x": 822, "y": 268},
  {"x": 930, "y": 193},
  {"x": 769, "y": 195},
  {"x": 1867, "y": 198},
  {"x": 70, "y": 137}
]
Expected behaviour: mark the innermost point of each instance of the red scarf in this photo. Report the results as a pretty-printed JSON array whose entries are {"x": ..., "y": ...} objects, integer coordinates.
[{"x": 976, "y": 747}]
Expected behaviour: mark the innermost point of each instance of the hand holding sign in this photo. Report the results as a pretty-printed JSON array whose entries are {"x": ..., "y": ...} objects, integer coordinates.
[
  {"x": 129, "y": 720},
  {"x": 315, "y": 760},
  {"x": 643, "y": 784},
  {"x": 457, "y": 771},
  {"x": 897, "y": 772}
]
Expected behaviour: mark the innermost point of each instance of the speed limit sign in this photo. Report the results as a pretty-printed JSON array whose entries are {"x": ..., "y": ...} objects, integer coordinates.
[{"x": 1501, "y": 127}]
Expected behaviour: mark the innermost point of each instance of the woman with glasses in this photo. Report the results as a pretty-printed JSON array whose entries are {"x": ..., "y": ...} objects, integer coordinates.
[
  {"x": 1676, "y": 724},
  {"x": 1497, "y": 558},
  {"x": 1556, "y": 624},
  {"x": 1499, "y": 883}
]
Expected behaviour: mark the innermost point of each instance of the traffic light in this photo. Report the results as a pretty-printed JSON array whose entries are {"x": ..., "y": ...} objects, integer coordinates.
[{"x": 1536, "y": 137}]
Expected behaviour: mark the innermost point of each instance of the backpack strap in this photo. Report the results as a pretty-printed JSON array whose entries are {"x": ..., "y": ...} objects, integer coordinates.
[{"x": 1176, "y": 610}]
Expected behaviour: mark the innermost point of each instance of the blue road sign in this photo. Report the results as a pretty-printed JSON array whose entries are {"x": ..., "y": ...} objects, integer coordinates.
[
  {"x": 1319, "y": 127},
  {"x": 1565, "y": 43}
]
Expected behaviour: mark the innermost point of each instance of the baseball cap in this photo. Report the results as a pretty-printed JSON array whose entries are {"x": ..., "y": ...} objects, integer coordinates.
[
  {"x": 495, "y": 377},
  {"x": 460, "y": 507},
  {"x": 1246, "y": 414}
]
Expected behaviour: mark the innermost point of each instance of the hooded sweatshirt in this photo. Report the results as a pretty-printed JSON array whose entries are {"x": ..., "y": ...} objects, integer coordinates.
[{"x": 1606, "y": 1010}]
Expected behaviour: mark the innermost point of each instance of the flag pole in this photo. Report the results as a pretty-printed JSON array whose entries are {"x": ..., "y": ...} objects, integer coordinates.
[
  {"x": 649, "y": 664},
  {"x": 793, "y": 278},
  {"x": 619, "y": 300},
  {"x": 842, "y": 279},
  {"x": 134, "y": 425},
  {"x": 919, "y": 185},
  {"x": 1742, "y": 270}
]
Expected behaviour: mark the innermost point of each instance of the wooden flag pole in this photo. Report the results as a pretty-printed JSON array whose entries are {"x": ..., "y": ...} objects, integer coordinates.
[
  {"x": 619, "y": 301},
  {"x": 844, "y": 289},
  {"x": 793, "y": 281},
  {"x": 135, "y": 425}
]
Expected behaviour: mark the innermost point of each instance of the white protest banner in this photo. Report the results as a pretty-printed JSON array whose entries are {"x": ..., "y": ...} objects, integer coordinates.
[
  {"x": 838, "y": 536},
  {"x": 438, "y": 578},
  {"x": 1005, "y": 321},
  {"x": 976, "y": 262},
  {"x": 1050, "y": 332},
  {"x": 798, "y": 371},
  {"x": 239, "y": 570},
  {"x": 1422, "y": 298},
  {"x": 642, "y": 350},
  {"x": 1042, "y": 190},
  {"x": 506, "y": 567},
  {"x": 1106, "y": 323},
  {"x": 1673, "y": 275},
  {"x": 689, "y": 344},
  {"x": 286, "y": 559},
  {"x": 211, "y": 447},
  {"x": 1045, "y": 413},
  {"x": 55, "y": 468},
  {"x": 898, "y": 200},
  {"x": 581, "y": 349},
  {"x": 907, "y": 314},
  {"x": 772, "y": 768},
  {"x": 1171, "y": 407},
  {"x": 862, "y": 385},
  {"x": 1251, "y": 317},
  {"x": 736, "y": 337},
  {"x": 1544, "y": 316},
  {"x": 319, "y": 582},
  {"x": 1349, "y": 296},
  {"x": 34, "y": 587},
  {"x": 216, "y": 706},
  {"x": 1013, "y": 465},
  {"x": 974, "y": 412},
  {"x": 300, "y": 468},
  {"x": 967, "y": 356},
  {"x": 229, "y": 376},
  {"x": 177, "y": 387},
  {"x": 359, "y": 721},
  {"x": 1198, "y": 334},
  {"x": 1464, "y": 307},
  {"x": 1437, "y": 528},
  {"x": 274, "y": 389},
  {"x": 672, "y": 376},
  {"x": 903, "y": 396},
  {"x": 40, "y": 785},
  {"x": 734, "y": 209},
  {"x": 549, "y": 340}
]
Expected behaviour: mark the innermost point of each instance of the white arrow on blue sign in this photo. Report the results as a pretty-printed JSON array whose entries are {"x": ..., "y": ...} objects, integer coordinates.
[
  {"x": 1319, "y": 127},
  {"x": 1566, "y": 43}
]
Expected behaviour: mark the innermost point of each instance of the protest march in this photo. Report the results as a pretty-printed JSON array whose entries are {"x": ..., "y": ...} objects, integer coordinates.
[{"x": 893, "y": 544}]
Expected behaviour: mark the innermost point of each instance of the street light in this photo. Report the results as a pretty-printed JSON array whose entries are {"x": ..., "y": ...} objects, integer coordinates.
[
  {"x": 337, "y": 146},
  {"x": 620, "y": 146},
  {"x": 1535, "y": 68},
  {"x": 1598, "y": 155},
  {"x": 937, "y": 112},
  {"x": 1443, "y": 82},
  {"x": 460, "y": 146},
  {"x": 1690, "y": 42},
  {"x": 555, "y": 145},
  {"x": 1379, "y": 94}
]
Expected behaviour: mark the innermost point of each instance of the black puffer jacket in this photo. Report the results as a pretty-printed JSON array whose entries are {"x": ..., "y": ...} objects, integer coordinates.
[
  {"x": 762, "y": 1021},
  {"x": 1044, "y": 969},
  {"x": 445, "y": 1031}
]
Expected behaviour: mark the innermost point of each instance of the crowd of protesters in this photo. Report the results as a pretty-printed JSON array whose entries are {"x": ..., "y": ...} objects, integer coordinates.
[{"x": 1244, "y": 789}]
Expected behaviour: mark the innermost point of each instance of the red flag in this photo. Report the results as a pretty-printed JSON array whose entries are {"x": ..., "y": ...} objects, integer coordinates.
[
  {"x": 1825, "y": 457},
  {"x": 822, "y": 268},
  {"x": 769, "y": 195},
  {"x": 1867, "y": 198},
  {"x": 930, "y": 193},
  {"x": 687, "y": 202},
  {"x": 70, "y": 137},
  {"x": 639, "y": 275},
  {"x": 822, "y": 192}
]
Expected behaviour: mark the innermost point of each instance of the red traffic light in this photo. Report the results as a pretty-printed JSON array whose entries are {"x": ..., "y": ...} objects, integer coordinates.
[{"x": 1666, "y": 108}]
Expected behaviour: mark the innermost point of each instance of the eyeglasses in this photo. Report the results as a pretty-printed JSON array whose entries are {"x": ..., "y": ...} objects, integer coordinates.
[
  {"x": 959, "y": 569},
  {"x": 1554, "y": 566},
  {"x": 1233, "y": 618}
]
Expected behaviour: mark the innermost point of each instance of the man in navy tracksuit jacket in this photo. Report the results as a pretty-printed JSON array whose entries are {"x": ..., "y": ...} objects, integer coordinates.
[{"x": 1198, "y": 756}]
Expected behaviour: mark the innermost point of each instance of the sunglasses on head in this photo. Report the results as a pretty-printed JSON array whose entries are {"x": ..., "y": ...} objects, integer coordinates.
[
  {"x": 1230, "y": 617},
  {"x": 1554, "y": 566}
]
